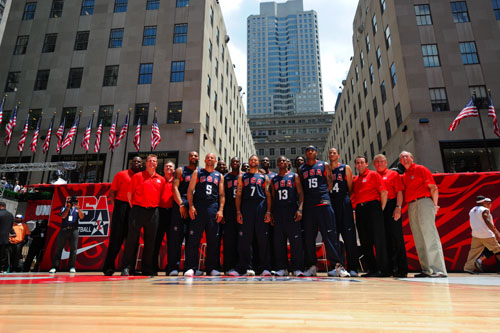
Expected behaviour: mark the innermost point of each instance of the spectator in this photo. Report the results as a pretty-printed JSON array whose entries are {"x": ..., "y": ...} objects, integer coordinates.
[
  {"x": 37, "y": 246},
  {"x": 6, "y": 221},
  {"x": 17, "y": 240},
  {"x": 17, "y": 187}
]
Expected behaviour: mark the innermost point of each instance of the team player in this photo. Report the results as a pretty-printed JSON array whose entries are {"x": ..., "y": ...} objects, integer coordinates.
[
  {"x": 316, "y": 177},
  {"x": 180, "y": 214},
  {"x": 287, "y": 191},
  {"x": 266, "y": 164},
  {"x": 230, "y": 225},
  {"x": 206, "y": 205},
  {"x": 253, "y": 212},
  {"x": 340, "y": 196},
  {"x": 121, "y": 210}
]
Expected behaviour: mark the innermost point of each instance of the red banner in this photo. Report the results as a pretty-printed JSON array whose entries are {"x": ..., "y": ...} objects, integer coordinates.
[{"x": 37, "y": 210}]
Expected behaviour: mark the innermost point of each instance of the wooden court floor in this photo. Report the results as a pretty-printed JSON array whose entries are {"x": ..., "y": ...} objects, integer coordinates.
[{"x": 88, "y": 302}]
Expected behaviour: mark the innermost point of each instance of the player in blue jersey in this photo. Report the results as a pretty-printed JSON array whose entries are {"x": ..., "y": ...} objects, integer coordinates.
[
  {"x": 206, "y": 199},
  {"x": 342, "y": 206},
  {"x": 287, "y": 191},
  {"x": 316, "y": 177},
  {"x": 265, "y": 163},
  {"x": 253, "y": 211},
  {"x": 180, "y": 214},
  {"x": 230, "y": 226}
]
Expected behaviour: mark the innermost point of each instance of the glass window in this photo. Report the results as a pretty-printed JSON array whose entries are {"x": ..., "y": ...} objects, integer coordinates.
[
  {"x": 180, "y": 33},
  {"x": 49, "y": 43},
  {"x": 423, "y": 14},
  {"x": 174, "y": 113},
  {"x": 372, "y": 75},
  {"x": 211, "y": 16},
  {"x": 394, "y": 79},
  {"x": 182, "y": 3},
  {"x": 81, "y": 40},
  {"x": 110, "y": 76},
  {"x": 367, "y": 41},
  {"x": 141, "y": 111},
  {"x": 362, "y": 59},
  {"x": 399, "y": 117},
  {"x": 388, "y": 132},
  {"x": 149, "y": 37},
  {"x": 152, "y": 4},
  {"x": 382, "y": 6},
  {"x": 70, "y": 114},
  {"x": 282, "y": 151},
  {"x": 115, "y": 38},
  {"x": 469, "y": 53},
  {"x": 374, "y": 24},
  {"x": 383, "y": 92},
  {"x": 56, "y": 9},
  {"x": 75, "y": 78},
  {"x": 210, "y": 50},
  {"x": 12, "y": 81},
  {"x": 177, "y": 71},
  {"x": 120, "y": 6},
  {"x": 217, "y": 36},
  {"x": 106, "y": 114},
  {"x": 478, "y": 91},
  {"x": 34, "y": 115},
  {"x": 375, "y": 107},
  {"x": 21, "y": 44},
  {"x": 209, "y": 85},
  {"x": 496, "y": 8},
  {"x": 459, "y": 11},
  {"x": 387, "y": 37},
  {"x": 145, "y": 74},
  {"x": 42, "y": 79},
  {"x": 365, "y": 88},
  {"x": 29, "y": 11},
  {"x": 87, "y": 7},
  {"x": 368, "y": 119},
  {"x": 379, "y": 57},
  {"x": 379, "y": 141},
  {"x": 431, "y": 55},
  {"x": 439, "y": 100}
]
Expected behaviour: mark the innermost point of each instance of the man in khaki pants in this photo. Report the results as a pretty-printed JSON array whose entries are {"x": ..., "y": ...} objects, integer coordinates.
[{"x": 421, "y": 194}]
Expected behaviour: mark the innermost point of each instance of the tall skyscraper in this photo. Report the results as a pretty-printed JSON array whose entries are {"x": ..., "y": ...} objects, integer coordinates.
[{"x": 283, "y": 66}]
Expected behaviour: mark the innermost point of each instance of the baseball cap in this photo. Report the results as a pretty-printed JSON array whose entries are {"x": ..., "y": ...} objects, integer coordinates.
[
  {"x": 482, "y": 198},
  {"x": 311, "y": 147},
  {"x": 19, "y": 216}
]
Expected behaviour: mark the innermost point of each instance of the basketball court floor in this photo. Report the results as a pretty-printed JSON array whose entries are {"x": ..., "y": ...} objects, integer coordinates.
[{"x": 91, "y": 302}]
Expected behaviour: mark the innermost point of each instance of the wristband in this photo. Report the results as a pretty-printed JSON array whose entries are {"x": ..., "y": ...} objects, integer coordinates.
[
  {"x": 398, "y": 207},
  {"x": 268, "y": 212},
  {"x": 299, "y": 210},
  {"x": 238, "y": 212}
]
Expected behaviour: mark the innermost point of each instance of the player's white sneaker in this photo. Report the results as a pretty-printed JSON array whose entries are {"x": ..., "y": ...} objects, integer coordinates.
[
  {"x": 174, "y": 273},
  {"x": 266, "y": 273},
  {"x": 311, "y": 271},
  {"x": 215, "y": 272},
  {"x": 52, "y": 270},
  {"x": 189, "y": 273},
  {"x": 298, "y": 273},
  {"x": 72, "y": 270},
  {"x": 233, "y": 273},
  {"x": 282, "y": 272},
  {"x": 250, "y": 272},
  {"x": 339, "y": 271}
]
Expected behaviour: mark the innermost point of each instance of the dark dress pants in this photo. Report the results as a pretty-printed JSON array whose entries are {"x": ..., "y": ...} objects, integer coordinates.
[
  {"x": 118, "y": 234},
  {"x": 346, "y": 227},
  {"x": 396, "y": 249},
  {"x": 66, "y": 235}
]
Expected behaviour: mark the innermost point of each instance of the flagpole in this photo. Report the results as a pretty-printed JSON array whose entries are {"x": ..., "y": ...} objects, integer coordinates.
[
  {"x": 48, "y": 150},
  {"x": 478, "y": 105},
  {"x": 97, "y": 160},
  {"x": 76, "y": 134},
  {"x": 87, "y": 152},
  {"x": 112, "y": 150},
  {"x": 126, "y": 141},
  {"x": 24, "y": 144},
  {"x": 8, "y": 146},
  {"x": 34, "y": 153}
]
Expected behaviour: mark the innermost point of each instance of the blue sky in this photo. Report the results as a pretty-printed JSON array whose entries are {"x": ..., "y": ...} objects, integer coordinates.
[{"x": 335, "y": 33}]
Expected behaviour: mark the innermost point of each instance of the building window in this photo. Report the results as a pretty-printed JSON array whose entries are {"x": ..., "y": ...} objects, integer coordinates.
[
  {"x": 367, "y": 41},
  {"x": 217, "y": 36},
  {"x": 399, "y": 117},
  {"x": 459, "y": 11},
  {"x": 141, "y": 111},
  {"x": 387, "y": 37},
  {"x": 293, "y": 151},
  {"x": 375, "y": 107},
  {"x": 379, "y": 141},
  {"x": 180, "y": 33},
  {"x": 87, "y": 7},
  {"x": 177, "y": 71},
  {"x": 431, "y": 55},
  {"x": 56, "y": 9},
  {"x": 182, "y": 3},
  {"x": 374, "y": 24},
  {"x": 439, "y": 100},
  {"x": 207, "y": 123},
  {"x": 12, "y": 81},
  {"x": 81, "y": 40},
  {"x": 382, "y": 92},
  {"x": 368, "y": 119},
  {"x": 215, "y": 101},
  {"x": 394, "y": 78},
  {"x": 362, "y": 59},
  {"x": 382, "y": 6},
  {"x": 496, "y": 8},
  {"x": 49, "y": 43},
  {"x": 75, "y": 78},
  {"x": 149, "y": 36},
  {"x": 110, "y": 76},
  {"x": 469, "y": 53},
  {"x": 21, "y": 44},
  {"x": 423, "y": 14},
  {"x": 372, "y": 150},
  {"x": 211, "y": 16},
  {"x": 152, "y": 4},
  {"x": 216, "y": 67},
  {"x": 379, "y": 57},
  {"x": 34, "y": 115},
  {"x": 106, "y": 114},
  {"x": 145, "y": 74},
  {"x": 70, "y": 114},
  {"x": 282, "y": 151},
  {"x": 214, "y": 135},
  {"x": 261, "y": 152},
  {"x": 174, "y": 113},
  {"x": 29, "y": 11},
  {"x": 210, "y": 49},
  {"x": 209, "y": 85},
  {"x": 271, "y": 151},
  {"x": 388, "y": 132},
  {"x": 365, "y": 88},
  {"x": 115, "y": 38},
  {"x": 42, "y": 79},
  {"x": 120, "y": 6},
  {"x": 478, "y": 91}
]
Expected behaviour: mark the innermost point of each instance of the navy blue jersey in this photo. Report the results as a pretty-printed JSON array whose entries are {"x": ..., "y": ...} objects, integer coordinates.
[
  {"x": 207, "y": 187},
  {"x": 285, "y": 192},
  {"x": 340, "y": 189},
  {"x": 184, "y": 181},
  {"x": 314, "y": 183},
  {"x": 271, "y": 175},
  {"x": 230, "y": 188},
  {"x": 253, "y": 186}
]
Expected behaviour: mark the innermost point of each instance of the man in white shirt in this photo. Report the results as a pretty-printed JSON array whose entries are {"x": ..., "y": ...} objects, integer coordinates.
[{"x": 484, "y": 233}]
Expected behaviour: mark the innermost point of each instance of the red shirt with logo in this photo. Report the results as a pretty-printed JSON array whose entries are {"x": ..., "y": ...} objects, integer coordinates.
[
  {"x": 416, "y": 181},
  {"x": 367, "y": 187},
  {"x": 392, "y": 182},
  {"x": 167, "y": 197},
  {"x": 146, "y": 189},
  {"x": 120, "y": 184}
]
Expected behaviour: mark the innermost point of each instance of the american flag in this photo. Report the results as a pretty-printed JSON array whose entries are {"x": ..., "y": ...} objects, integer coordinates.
[
  {"x": 46, "y": 143},
  {"x": 123, "y": 132},
  {"x": 71, "y": 133},
  {"x": 10, "y": 127},
  {"x": 86, "y": 137},
  {"x": 155, "y": 134},
  {"x": 1, "y": 109},
  {"x": 35, "y": 137},
  {"x": 492, "y": 114},
  {"x": 97, "y": 144},
  {"x": 60, "y": 134},
  {"x": 137, "y": 136},
  {"x": 470, "y": 110},
  {"x": 24, "y": 134},
  {"x": 112, "y": 135}
]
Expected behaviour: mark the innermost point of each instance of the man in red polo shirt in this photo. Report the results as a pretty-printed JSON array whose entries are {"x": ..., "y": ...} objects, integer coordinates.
[
  {"x": 165, "y": 212},
  {"x": 370, "y": 198},
  {"x": 421, "y": 194},
  {"x": 392, "y": 217},
  {"x": 121, "y": 210},
  {"x": 143, "y": 195}
]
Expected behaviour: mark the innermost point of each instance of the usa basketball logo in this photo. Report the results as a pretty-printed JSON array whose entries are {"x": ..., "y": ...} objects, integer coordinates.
[{"x": 96, "y": 220}]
